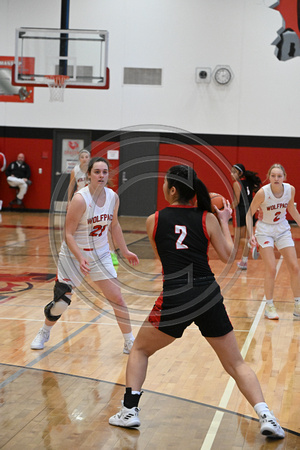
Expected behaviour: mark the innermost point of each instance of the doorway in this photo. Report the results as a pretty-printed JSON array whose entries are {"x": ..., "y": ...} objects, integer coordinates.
[{"x": 138, "y": 174}]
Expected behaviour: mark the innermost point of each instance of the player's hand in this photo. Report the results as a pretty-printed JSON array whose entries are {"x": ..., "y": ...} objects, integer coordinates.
[
  {"x": 224, "y": 214},
  {"x": 131, "y": 258},
  {"x": 252, "y": 241},
  {"x": 84, "y": 266}
]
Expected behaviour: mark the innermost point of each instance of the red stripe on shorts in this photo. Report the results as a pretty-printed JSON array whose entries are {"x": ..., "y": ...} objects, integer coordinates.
[{"x": 155, "y": 314}]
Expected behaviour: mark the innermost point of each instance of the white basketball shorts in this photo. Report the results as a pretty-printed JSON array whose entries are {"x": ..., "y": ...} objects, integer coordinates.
[
  {"x": 68, "y": 268},
  {"x": 268, "y": 235}
]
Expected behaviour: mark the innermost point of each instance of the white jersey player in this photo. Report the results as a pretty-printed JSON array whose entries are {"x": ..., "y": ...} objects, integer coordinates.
[
  {"x": 85, "y": 251},
  {"x": 78, "y": 177},
  {"x": 273, "y": 229}
]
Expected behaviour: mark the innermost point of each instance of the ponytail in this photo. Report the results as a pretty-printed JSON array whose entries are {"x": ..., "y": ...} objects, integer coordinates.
[
  {"x": 203, "y": 197},
  {"x": 253, "y": 180},
  {"x": 188, "y": 185}
]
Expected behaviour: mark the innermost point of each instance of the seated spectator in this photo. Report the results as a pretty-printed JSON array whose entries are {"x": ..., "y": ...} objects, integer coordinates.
[{"x": 18, "y": 174}]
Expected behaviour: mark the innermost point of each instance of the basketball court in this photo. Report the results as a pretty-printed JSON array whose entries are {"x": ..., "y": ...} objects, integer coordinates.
[{"x": 62, "y": 396}]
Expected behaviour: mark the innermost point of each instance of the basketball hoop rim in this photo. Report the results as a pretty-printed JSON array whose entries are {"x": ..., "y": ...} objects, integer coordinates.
[{"x": 58, "y": 80}]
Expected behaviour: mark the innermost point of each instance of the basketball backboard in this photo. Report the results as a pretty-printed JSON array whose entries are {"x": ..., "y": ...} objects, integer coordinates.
[{"x": 81, "y": 55}]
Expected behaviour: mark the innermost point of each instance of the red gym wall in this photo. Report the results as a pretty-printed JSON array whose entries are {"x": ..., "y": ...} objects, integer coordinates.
[
  {"x": 38, "y": 154},
  {"x": 212, "y": 168}
]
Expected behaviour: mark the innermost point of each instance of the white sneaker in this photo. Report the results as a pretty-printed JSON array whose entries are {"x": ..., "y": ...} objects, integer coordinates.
[
  {"x": 271, "y": 313},
  {"x": 255, "y": 252},
  {"x": 40, "y": 339},
  {"x": 242, "y": 265},
  {"x": 128, "y": 346},
  {"x": 128, "y": 418},
  {"x": 297, "y": 310},
  {"x": 270, "y": 427}
]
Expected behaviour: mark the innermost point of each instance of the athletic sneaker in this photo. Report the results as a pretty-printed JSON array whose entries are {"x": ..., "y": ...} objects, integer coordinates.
[
  {"x": 270, "y": 312},
  {"x": 242, "y": 265},
  {"x": 270, "y": 427},
  {"x": 126, "y": 417},
  {"x": 297, "y": 310},
  {"x": 128, "y": 346},
  {"x": 40, "y": 339},
  {"x": 114, "y": 259},
  {"x": 255, "y": 252}
]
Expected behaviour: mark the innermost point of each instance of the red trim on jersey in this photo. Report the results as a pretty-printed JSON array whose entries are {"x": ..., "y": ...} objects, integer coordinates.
[
  {"x": 205, "y": 232},
  {"x": 88, "y": 249},
  {"x": 180, "y": 206},
  {"x": 204, "y": 225},
  {"x": 155, "y": 314},
  {"x": 155, "y": 224},
  {"x": 234, "y": 221}
]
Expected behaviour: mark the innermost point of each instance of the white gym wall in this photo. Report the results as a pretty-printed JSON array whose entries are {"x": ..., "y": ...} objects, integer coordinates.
[{"x": 176, "y": 36}]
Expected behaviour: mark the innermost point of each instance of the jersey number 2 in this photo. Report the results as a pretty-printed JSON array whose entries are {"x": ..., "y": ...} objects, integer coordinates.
[
  {"x": 181, "y": 230},
  {"x": 276, "y": 218}
]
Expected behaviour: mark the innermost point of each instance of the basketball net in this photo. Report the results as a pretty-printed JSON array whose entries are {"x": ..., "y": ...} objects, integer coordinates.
[{"x": 57, "y": 84}]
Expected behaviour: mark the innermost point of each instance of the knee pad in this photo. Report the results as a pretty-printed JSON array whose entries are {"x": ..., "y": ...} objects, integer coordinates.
[{"x": 60, "y": 303}]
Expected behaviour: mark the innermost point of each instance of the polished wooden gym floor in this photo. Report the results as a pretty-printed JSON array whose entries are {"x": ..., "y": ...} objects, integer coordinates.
[{"x": 61, "y": 397}]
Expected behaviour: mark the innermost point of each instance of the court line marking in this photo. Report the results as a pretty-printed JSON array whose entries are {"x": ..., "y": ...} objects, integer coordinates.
[
  {"x": 17, "y": 374},
  {"x": 217, "y": 419}
]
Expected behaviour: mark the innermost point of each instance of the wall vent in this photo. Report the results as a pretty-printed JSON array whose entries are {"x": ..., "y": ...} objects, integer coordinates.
[{"x": 150, "y": 77}]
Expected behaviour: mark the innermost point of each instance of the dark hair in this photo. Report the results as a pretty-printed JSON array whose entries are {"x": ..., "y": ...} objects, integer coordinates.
[
  {"x": 95, "y": 160},
  {"x": 252, "y": 177},
  {"x": 187, "y": 184}
]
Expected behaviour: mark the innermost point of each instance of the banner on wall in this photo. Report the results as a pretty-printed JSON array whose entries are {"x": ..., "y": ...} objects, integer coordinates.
[
  {"x": 8, "y": 92},
  {"x": 70, "y": 151}
]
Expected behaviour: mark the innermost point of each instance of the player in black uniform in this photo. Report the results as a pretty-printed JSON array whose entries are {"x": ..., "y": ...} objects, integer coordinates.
[
  {"x": 245, "y": 183},
  {"x": 180, "y": 235}
]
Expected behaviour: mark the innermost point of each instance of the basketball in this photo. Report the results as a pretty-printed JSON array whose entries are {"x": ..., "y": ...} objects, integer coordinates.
[{"x": 216, "y": 200}]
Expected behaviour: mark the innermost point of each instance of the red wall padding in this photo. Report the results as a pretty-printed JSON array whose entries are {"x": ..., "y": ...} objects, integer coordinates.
[
  {"x": 212, "y": 165},
  {"x": 215, "y": 171},
  {"x": 38, "y": 154}
]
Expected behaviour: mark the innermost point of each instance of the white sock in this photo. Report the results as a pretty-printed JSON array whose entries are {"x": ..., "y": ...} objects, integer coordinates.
[
  {"x": 136, "y": 392},
  {"x": 128, "y": 336},
  {"x": 269, "y": 302},
  {"x": 47, "y": 328},
  {"x": 297, "y": 299},
  {"x": 261, "y": 408},
  {"x": 244, "y": 258}
]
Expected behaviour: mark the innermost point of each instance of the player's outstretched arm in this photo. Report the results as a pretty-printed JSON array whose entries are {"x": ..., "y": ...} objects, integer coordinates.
[
  {"x": 292, "y": 208},
  {"x": 118, "y": 237},
  {"x": 219, "y": 233},
  {"x": 255, "y": 205}
]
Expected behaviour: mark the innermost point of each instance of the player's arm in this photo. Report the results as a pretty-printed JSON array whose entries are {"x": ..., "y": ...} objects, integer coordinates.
[
  {"x": 255, "y": 205},
  {"x": 150, "y": 223},
  {"x": 74, "y": 214},
  {"x": 71, "y": 186},
  {"x": 218, "y": 231},
  {"x": 118, "y": 237},
  {"x": 236, "y": 194},
  {"x": 291, "y": 207}
]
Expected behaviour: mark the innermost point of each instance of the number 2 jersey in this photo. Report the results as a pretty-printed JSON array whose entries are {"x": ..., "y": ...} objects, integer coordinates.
[
  {"x": 91, "y": 233},
  {"x": 182, "y": 242},
  {"x": 273, "y": 208}
]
